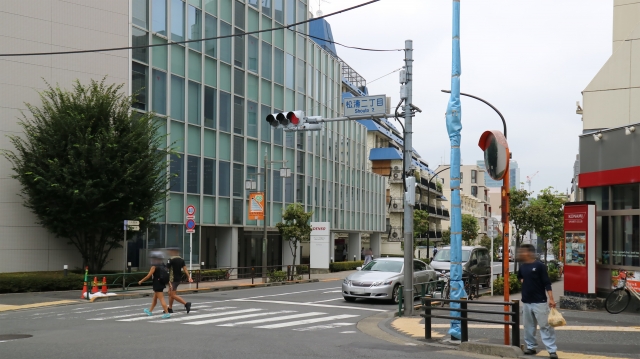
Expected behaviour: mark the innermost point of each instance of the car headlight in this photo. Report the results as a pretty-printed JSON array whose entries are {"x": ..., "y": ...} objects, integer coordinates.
[
  {"x": 386, "y": 282},
  {"x": 346, "y": 281}
]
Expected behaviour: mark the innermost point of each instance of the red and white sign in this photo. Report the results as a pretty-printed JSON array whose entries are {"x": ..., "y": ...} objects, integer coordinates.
[
  {"x": 580, "y": 247},
  {"x": 191, "y": 212},
  {"x": 191, "y": 226}
]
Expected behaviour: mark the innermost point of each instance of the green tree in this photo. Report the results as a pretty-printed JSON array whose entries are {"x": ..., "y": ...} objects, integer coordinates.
[
  {"x": 485, "y": 241},
  {"x": 86, "y": 162},
  {"x": 295, "y": 227},
  {"x": 446, "y": 237},
  {"x": 470, "y": 228},
  {"x": 520, "y": 215},
  {"x": 420, "y": 226},
  {"x": 548, "y": 216}
]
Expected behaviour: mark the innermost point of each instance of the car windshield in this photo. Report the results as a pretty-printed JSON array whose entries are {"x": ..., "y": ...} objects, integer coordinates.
[
  {"x": 383, "y": 266},
  {"x": 444, "y": 255}
]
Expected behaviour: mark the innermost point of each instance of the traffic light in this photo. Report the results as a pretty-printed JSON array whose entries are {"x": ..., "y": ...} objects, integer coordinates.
[
  {"x": 294, "y": 121},
  {"x": 277, "y": 119}
]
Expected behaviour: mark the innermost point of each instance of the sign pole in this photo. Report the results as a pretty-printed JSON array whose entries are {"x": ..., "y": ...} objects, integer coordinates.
[
  {"x": 505, "y": 247},
  {"x": 124, "y": 285}
]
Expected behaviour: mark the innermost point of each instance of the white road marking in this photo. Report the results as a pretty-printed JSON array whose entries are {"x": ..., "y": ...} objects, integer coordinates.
[
  {"x": 201, "y": 316},
  {"x": 328, "y": 300},
  {"x": 307, "y": 321},
  {"x": 333, "y": 291},
  {"x": 348, "y": 332},
  {"x": 226, "y": 319},
  {"x": 145, "y": 317},
  {"x": 116, "y": 316},
  {"x": 110, "y": 308},
  {"x": 312, "y": 305},
  {"x": 277, "y": 295},
  {"x": 325, "y": 326},
  {"x": 275, "y": 319}
]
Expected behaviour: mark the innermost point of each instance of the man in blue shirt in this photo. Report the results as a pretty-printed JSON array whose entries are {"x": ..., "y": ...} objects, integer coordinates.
[{"x": 535, "y": 282}]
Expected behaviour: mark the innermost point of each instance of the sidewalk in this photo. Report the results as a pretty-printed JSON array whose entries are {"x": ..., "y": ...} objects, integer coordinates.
[
  {"x": 18, "y": 301},
  {"x": 588, "y": 334}
]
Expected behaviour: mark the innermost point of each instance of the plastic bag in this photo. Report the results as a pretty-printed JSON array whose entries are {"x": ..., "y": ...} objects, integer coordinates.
[{"x": 556, "y": 319}]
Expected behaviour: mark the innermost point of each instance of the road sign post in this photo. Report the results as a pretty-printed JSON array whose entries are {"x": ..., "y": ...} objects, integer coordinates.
[
  {"x": 129, "y": 225},
  {"x": 191, "y": 228}
]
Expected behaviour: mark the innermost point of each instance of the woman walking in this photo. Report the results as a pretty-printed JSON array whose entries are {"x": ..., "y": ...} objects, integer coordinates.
[{"x": 160, "y": 279}]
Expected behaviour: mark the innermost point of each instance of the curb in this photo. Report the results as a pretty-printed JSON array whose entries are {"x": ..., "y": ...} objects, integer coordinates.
[{"x": 204, "y": 290}]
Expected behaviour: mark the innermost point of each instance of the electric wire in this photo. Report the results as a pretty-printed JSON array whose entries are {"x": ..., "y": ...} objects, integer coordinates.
[
  {"x": 197, "y": 40},
  {"x": 343, "y": 45},
  {"x": 396, "y": 70}
]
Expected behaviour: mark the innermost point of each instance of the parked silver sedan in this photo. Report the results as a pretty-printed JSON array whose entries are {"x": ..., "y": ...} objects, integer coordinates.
[{"x": 382, "y": 278}]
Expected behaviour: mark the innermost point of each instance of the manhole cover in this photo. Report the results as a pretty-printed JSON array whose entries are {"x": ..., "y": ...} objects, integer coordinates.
[{"x": 7, "y": 337}]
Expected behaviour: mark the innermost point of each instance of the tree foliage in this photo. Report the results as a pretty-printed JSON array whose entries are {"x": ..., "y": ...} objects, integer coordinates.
[
  {"x": 86, "y": 163},
  {"x": 295, "y": 227},
  {"x": 446, "y": 237},
  {"x": 420, "y": 223},
  {"x": 547, "y": 216},
  {"x": 485, "y": 241},
  {"x": 520, "y": 213},
  {"x": 470, "y": 228}
]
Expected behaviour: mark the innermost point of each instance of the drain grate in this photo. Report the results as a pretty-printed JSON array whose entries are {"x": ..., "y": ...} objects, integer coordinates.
[{"x": 7, "y": 337}]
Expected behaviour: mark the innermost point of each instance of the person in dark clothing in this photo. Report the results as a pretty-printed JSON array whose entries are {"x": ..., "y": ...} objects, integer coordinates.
[
  {"x": 535, "y": 282},
  {"x": 176, "y": 264},
  {"x": 157, "y": 267}
]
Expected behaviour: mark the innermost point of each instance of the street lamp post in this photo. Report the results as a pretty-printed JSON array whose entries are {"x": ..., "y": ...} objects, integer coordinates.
[{"x": 251, "y": 185}]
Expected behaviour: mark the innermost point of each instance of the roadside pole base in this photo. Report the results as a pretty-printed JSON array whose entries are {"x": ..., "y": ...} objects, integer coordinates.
[
  {"x": 580, "y": 302},
  {"x": 504, "y": 351}
]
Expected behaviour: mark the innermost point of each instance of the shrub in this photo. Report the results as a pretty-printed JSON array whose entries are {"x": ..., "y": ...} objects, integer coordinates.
[
  {"x": 514, "y": 284},
  {"x": 342, "y": 266},
  {"x": 212, "y": 274},
  {"x": 39, "y": 282},
  {"x": 277, "y": 276},
  {"x": 553, "y": 275}
]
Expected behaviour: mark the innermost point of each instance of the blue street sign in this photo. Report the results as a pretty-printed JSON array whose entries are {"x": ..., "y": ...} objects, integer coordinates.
[{"x": 365, "y": 105}]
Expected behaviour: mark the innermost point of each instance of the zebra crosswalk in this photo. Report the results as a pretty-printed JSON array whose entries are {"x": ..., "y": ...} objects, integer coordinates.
[{"x": 231, "y": 317}]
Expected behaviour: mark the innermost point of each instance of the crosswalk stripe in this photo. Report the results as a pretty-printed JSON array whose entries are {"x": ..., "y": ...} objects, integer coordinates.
[
  {"x": 311, "y": 305},
  {"x": 201, "y": 316},
  {"x": 144, "y": 317},
  {"x": 274, "y": 319},
  {"x": 116, "y": 317},
  {"x": 323, "y": 326},
  {"x": 307, "y": 321},
  {"x": 226, "y": 319}
]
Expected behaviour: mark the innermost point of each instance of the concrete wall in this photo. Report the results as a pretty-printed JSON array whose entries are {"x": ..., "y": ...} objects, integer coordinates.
[{"x": 45, "y": 26}]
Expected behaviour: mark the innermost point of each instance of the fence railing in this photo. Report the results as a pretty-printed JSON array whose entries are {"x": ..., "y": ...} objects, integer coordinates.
[
  {"x": 464, "y": 317},
  {"x": 425, "y": 288}
]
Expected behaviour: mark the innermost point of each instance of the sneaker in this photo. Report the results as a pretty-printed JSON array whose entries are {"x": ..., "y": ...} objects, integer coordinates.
[
  {"x": 553, "y": 356},
  {"x": 188, "y": 307},
  {"x": 148, "y": 312},
  {"x": 166, "y": 315},
  {"x": 170, "y": 310},
  {"x": 530, "y": 352}
]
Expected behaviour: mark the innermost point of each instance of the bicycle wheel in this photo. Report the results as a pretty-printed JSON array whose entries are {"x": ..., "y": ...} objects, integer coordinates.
[
  {"x": 617, "y": 301},
  {"x": 445, "y": 293}
]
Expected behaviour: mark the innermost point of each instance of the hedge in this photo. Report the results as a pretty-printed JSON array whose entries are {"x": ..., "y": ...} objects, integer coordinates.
[
  {"x": 514, "y": 284},
  {"x": 343, "y": 266},
  {"x": 39, "y": 282}
]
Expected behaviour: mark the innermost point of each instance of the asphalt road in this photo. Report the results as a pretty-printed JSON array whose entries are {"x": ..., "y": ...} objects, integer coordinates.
[{"x": 300, "y": 321}]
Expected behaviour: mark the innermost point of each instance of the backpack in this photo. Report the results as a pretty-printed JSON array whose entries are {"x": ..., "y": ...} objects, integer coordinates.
[{"x": 161, "y": 275}]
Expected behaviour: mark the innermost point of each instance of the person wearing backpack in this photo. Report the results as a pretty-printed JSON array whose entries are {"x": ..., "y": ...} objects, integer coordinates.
[
  {"x": 176, "y": 264},
  {"x": 160, "y": 277}
]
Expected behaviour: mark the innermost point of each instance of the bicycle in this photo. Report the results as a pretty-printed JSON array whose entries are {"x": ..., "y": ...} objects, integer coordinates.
[
  {"x": 469, "y": 288},
  {"x": 618, "y": 300}
]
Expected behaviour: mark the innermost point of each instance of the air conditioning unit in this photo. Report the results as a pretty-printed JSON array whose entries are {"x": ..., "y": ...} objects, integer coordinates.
[
  {"x": 395, "y": 168},
  {"x": 396, "y": 175},
  {"x": 395, "y": 234},
  {"x": 395, "y": 205}
]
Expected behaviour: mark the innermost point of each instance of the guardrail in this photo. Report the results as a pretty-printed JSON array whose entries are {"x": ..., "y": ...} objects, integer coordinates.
[
  {"x": 464, "y": 318},
  {"x": 426, "y": 288}
]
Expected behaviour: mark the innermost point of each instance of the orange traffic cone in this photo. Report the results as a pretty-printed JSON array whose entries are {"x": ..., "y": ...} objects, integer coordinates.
[
  {"x": 95, "y": 285},
  {"x": 84, "y": 291},
  {"x": 104, "y": 285}
]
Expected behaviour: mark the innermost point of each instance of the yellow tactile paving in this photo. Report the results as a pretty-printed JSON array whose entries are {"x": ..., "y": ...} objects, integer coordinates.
[
  {"x": 576, "y": 328},
  {"x": 4, "y": 307},
  {"x": 566, "y": 355},
  {"x": 412, "y": 328}
]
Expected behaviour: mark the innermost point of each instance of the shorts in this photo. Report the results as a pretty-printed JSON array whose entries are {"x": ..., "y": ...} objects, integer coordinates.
[
  {"x": 158, "y": 288},
  {"x": 174, "y": 286}
]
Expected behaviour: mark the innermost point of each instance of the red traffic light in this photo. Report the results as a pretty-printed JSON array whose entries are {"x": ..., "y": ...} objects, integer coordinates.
[{"x": 293, "y": 118}]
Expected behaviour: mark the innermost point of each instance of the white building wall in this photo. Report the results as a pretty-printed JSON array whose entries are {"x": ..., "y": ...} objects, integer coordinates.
[{"x": 47, "y": 26}]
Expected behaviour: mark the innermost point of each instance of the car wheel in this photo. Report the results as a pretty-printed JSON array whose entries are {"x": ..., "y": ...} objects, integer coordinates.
[
  {"x": 349, "y": 299},
  {"x": 395, "y": 294}
]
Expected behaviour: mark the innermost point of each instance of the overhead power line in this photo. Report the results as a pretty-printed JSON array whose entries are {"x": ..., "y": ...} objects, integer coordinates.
[
  {"x": 396, "y": 70},
  {"x": 199, "y": 40}
]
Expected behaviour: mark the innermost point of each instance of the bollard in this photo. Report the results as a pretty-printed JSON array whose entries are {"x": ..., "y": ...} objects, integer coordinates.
[
  {"x": 128, "y": 267},
  {"x": 66, "y": 268},
  {"x": 400, "y": 300},
  {"x": 354, "y": 257},
  {"x": 252, "y": 274},
  {"x": 464, "y": 325},
  {"x": 427, "y": 317},
  {"x": 515, "y": 327}
]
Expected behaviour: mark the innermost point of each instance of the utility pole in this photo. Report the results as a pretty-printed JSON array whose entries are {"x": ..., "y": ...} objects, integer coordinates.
[
  {"x": 264, "y": 230},
  {"x": 407, "y": 155}
]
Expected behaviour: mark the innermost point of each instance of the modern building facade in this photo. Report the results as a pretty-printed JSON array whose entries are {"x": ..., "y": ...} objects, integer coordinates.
[
  {"x": 474, "y": 194},
  {"x": 211, "y": 99},
  {"x": 608, "y": 164}
]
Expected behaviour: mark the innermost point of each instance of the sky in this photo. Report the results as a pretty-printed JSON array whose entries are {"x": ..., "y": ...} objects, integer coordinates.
[{"x": 530, "y": 59}]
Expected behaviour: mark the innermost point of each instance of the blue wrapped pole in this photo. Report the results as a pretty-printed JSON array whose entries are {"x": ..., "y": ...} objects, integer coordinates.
[{"x": 454, "y": 128}]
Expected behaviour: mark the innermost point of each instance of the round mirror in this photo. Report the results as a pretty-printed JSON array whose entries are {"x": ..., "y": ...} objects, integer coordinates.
[{"x": 496, "y": 154}]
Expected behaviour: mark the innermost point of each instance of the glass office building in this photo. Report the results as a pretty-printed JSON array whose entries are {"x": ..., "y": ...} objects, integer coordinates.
[{"x": 211, "y": 99}]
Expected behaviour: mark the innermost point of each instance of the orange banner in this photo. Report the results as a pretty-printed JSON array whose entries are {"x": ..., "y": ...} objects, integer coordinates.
[{"x": 256, "y": 206}]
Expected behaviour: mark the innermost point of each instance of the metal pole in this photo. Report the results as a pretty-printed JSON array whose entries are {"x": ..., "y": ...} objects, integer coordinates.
[
  {"x": 491, "y": 281},
  {"x": 190, "y": 255},
  {"x": 264, "y": 233},
  {"x": 408, "y": 209},
  {"x": 124, "y": 276},
  {"x": 505, "y": 248}
]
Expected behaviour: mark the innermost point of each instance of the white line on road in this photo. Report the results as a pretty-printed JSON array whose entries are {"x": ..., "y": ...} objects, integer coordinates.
[
  {"x": 333, "y": 291},
  {"x": 312, "y": 305},
  {"x": 307, "y": 321},
  {"x": 324, "y": 326},
  {"x": 277, "y": 295},
  {"x": 276, "y": 319},
  {"x": 144, "y": 317},
  {"x": 348, "y": 332},
  {"x": 245, "y": 316},
  {"x": 328, "y": 300},
  {"x": 116, "y": 317},
  {"x": 201, "y": 316}
]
